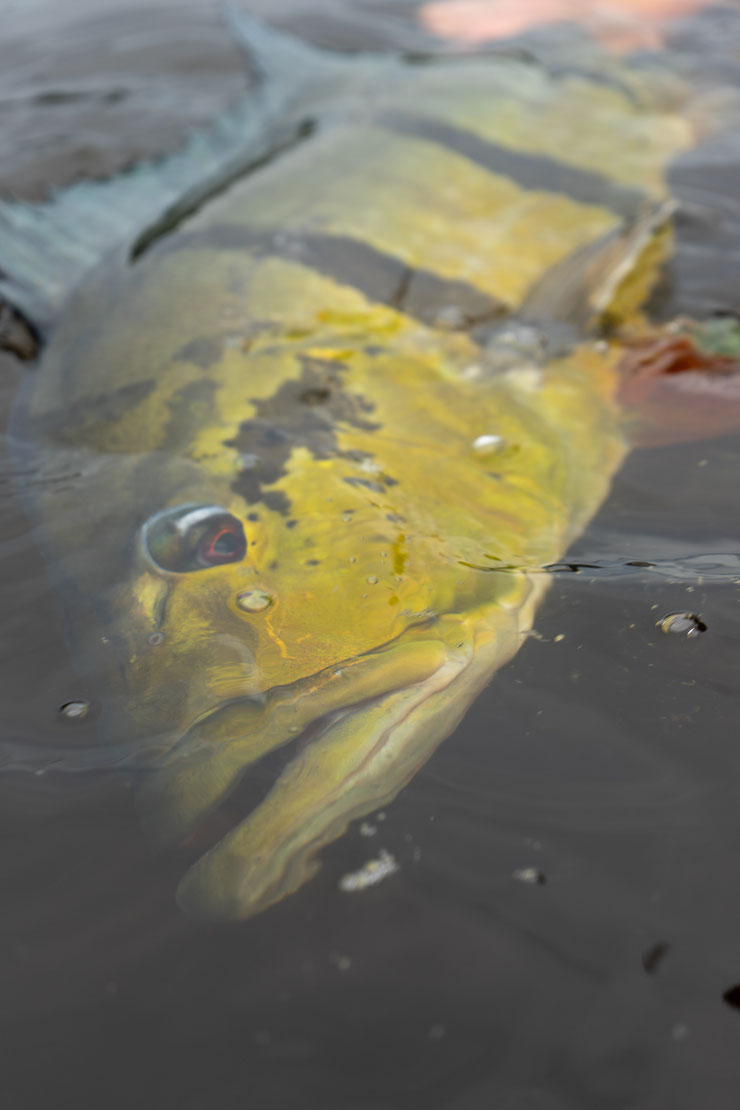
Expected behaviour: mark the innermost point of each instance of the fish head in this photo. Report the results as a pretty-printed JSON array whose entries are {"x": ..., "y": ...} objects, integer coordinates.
[
  {"x": 271, "y": 546},
  {"x": 232, "y": 612}
]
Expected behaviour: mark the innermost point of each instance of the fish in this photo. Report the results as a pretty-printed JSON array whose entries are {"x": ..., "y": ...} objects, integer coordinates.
[{"x": 308, "y": 429}]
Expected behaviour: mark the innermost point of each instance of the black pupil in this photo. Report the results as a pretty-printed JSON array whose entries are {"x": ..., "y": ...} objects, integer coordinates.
[{"x": 225, "y": 544}]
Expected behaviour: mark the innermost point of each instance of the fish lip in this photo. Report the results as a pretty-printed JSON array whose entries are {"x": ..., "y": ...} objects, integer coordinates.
[
  {"x": 263, "y": 698},
  {"x": 210, "y": 760},
  {"x": 273, "y": 850},
  {"x": 253, "y": 785}
]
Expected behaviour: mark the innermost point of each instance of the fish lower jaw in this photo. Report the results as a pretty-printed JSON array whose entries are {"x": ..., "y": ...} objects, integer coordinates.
[
  {"x": 358, "y": 762},
  {"x": 207, "y": 766},
  {"x": 365, "y": 729}
]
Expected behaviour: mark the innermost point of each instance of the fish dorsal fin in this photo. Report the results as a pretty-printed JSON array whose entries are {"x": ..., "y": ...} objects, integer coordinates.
[
  {"x": 47, "y": 249},
  {"x": 606, "y": 282},
  {"x": 279, "y": 58}
]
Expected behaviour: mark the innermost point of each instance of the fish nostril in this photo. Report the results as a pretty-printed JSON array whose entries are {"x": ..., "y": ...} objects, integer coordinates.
[{"x": 254, "y": 601}]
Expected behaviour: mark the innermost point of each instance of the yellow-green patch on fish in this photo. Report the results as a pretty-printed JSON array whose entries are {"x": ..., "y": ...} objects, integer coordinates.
[{"x": 312, "y": 465}]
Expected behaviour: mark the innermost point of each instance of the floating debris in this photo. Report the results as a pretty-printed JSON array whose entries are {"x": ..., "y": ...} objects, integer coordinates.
[
  {"x": 653, "y": 956},
  {"x": 682, "y": 624},
  {"x": 372, "y": 872},
  {"x": 531, "y": 875},
  {"x": 732, "y": 996},
  {"x": 75, "y": 710},
  {"x": 366, "y": 829},
  {"x": 717, "y": 566}
]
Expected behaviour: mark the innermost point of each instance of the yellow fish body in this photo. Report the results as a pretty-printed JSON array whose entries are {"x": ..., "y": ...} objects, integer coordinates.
[{"x": 309, "y": 469}]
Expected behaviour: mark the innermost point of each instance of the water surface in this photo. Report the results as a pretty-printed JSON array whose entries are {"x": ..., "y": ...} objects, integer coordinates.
[{"x": 602, "y": 762}]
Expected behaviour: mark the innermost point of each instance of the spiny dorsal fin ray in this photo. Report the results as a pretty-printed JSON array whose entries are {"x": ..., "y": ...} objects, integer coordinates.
[{"x": 599, "y": 283}]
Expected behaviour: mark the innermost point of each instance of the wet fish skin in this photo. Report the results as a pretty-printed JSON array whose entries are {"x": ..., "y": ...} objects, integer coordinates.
[{"x": 302, "y": 355}]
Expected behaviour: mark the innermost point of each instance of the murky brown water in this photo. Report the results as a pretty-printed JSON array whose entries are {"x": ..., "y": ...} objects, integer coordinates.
[{"x": 606, "y": 761}]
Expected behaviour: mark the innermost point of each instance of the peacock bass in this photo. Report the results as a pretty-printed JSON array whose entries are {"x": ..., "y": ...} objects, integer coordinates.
[{"x": 315, "y": 433}]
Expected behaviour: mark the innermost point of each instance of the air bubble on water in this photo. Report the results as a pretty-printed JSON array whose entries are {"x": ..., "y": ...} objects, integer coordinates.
[
  {"x": 488, "y": 444},
  {"x": 371, "y": 578},
  {"x": 254, "y": 601},
  {"x": 530, "y": 875},
  {"x": 74, "y": 710},
  {"x": 682, "y": 624}
]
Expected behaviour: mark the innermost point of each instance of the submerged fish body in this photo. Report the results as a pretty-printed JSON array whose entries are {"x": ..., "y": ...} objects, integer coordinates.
[{"x": 310, "y": 468}]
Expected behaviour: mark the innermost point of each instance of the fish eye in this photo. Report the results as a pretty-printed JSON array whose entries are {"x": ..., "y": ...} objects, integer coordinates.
[{"x": 193, "y": 537}]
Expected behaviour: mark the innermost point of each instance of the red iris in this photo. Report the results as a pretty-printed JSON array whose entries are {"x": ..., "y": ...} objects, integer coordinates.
[{"x": 226, "y": 545}]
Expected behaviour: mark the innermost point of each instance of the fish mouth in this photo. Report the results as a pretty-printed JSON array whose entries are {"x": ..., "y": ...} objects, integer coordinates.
[
  {"x": 282, "y": 775},
  {"x": 361, "y": 730}
]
